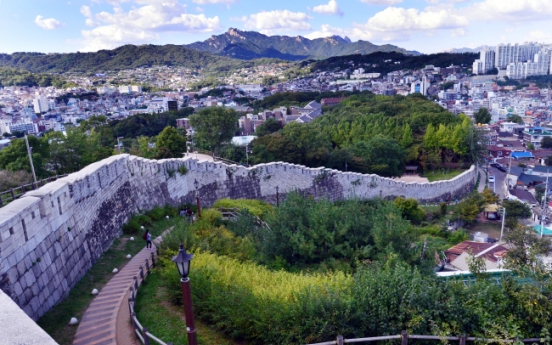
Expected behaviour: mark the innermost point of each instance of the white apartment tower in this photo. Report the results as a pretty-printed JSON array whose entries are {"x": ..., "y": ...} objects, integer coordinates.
[
  {"x": 485, "y": 63},
  {"x": 41, "y": 105}
]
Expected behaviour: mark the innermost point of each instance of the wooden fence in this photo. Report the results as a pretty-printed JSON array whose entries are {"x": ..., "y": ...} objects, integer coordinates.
[
  {"x": 141, "y": 331},
  {"x": 15, "y": 193},
  {"x": 404, "y": 336}
]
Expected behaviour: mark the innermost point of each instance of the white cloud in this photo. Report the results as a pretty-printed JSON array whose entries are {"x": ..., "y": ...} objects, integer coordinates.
[
  {"x": 381, "y": 2},
  {"x": 397, "y": 24},
  {"x": 202, "y": 2},
  {"x": 278, "y": 20},
  {"x": 329, "y": 8},
  {"x": 142, "y": 24},
  {"x": 518, "y": 10},
  {"x": 539, "y": 36},
  {"x": 48, "y": 23}
]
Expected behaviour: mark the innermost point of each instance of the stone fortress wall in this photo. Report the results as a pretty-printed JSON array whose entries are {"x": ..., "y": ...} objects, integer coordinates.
[{"x": 50, "y": 237}]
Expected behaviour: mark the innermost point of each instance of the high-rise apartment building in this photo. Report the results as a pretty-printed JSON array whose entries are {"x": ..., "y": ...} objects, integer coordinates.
[
  {"x": 485, "y": 63},
  {"x": 41, "y": 105}
]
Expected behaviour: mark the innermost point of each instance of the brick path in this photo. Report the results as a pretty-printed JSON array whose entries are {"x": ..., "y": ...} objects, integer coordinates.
[{"x": 98, "y": 324}]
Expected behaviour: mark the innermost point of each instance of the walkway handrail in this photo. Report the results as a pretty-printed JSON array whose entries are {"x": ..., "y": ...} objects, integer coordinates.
[
  {"x": 142, "y": 332},
  {"x": 404, "y": 336},
  {"x": 15, "y": 193}
]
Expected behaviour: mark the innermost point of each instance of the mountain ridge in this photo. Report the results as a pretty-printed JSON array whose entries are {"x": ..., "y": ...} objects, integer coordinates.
[{"x": 247, "y": 45}]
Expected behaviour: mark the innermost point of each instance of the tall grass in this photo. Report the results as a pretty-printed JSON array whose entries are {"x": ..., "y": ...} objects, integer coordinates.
[{"x": 253, "y": 303}]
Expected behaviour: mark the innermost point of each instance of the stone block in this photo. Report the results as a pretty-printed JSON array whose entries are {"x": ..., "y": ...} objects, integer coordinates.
[
  {"x": 30, "y": 278},
  {"x": 35, "y": 289},
  {"x": 17, "y": 289}
]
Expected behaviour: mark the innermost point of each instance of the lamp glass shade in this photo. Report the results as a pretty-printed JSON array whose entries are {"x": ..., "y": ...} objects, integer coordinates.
[
  {"x": 196, "y": 184},
  {"x": 182, "y": 261}
]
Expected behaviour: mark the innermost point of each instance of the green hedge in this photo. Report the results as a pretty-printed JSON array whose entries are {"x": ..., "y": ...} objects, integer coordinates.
[{"x": 259, "y": 208}]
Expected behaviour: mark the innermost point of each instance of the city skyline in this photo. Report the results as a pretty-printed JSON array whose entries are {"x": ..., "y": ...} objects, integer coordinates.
[{"x": 427, "y": 26}]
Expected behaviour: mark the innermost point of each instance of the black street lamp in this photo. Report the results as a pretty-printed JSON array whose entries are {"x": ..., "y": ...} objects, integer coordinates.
[
  {"x": 277, "y": 197},
  {"x": 182, "y": 261},
  {"x": 196, "y": 184}
]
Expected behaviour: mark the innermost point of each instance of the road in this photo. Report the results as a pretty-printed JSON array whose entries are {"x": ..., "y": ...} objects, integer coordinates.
[{"x": 499, "y": 182}]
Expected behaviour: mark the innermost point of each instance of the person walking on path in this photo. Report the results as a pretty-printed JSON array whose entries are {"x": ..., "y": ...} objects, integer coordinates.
[{"x": 148, "y": 239}]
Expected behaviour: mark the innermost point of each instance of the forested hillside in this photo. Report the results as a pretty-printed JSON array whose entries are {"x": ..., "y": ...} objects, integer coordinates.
[
  {"x": 375, "y": 134},
  {"x": 16, "y": 77},
  {"x": 382, "y": 62},
  {"x": 125, "y": 57}
]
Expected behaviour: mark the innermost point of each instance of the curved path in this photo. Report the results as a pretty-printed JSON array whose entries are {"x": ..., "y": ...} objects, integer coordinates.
[{"x": 99, "y": 323}]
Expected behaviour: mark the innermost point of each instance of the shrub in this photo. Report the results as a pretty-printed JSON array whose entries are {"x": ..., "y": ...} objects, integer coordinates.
[
  {"x": 259, "y": 208},
  {"x": 132, "y": 227},
  {"x": 170, "y": 211},
  {"x": 458, "y": 236},
  {"x": 260, "y": 306},
  {"x": 156, "y": 213},
  {"x": 143, "y": 220},
  {"x": 211, "y": 216},
  {"x": 182, "y": 170}
]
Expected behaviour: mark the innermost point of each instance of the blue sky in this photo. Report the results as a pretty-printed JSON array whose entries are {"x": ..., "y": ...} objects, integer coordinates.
[{"x": 424, "y": 25}]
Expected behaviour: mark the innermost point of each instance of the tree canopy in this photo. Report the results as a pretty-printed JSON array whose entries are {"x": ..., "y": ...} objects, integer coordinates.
[{"x": 213, "y": 127}]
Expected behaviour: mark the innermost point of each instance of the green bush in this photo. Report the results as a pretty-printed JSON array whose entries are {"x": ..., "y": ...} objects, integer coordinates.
[
  {"x": 259, "y": 208},
  {"x": 143, "y": 220},
  {"x": 132, "y": 227},
  {"x": 156, "y": 213},
  {"x": 211, "y": 216},
  {"x": 261, "y": 306},
  {"x": 458, "y": 236}
]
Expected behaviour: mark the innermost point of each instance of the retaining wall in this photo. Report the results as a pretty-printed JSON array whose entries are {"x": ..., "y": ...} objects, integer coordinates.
[{"x": 50, "y": 237}]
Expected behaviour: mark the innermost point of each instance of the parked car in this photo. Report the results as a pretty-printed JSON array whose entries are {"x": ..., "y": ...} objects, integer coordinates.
[
  {"x": 501, "y": 168},
  {"x": 495, "y": 165},
  {"x": 491, "y": 178}
]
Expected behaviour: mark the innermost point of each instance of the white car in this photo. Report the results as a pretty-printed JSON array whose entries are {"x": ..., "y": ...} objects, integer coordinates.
[{"x": 491, "y": 179}]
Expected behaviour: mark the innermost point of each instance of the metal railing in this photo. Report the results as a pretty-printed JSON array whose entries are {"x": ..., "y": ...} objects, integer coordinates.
[
  {"x": 15, "y": 193},
  {"x": 142, "y": 332},
  {"x": 404, "y": 336}
]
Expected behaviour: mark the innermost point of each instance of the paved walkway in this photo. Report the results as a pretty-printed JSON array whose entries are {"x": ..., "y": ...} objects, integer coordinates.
[{"x": 98, "y": 324}]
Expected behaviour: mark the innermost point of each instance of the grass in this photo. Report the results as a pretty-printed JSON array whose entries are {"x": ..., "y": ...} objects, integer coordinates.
[
  {"x": 55, "y": 322},
  {"x": 442, "y": 175},
  {"x": 166, "y": 321}
]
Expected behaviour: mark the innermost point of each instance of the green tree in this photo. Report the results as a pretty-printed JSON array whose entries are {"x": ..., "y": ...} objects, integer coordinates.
[
  {"x": 382, "y": 156},
  {"x": 489, "y": 196},
  {"x": 410, "y": 209},
  {"x": 516, "y": 119},
  {"x": 170, "y": 144},
  {"x": 482, "y": 116},
  {"x": 516, "y": 209},
  {"x": 15, "y": 156},
  {"x": 526, "y": 249},
  {"x": 546, "y": 143},
  {"x": 213, "y": 126},
  {"x": 469, "y": 209},
  {"x": 268, "y": 127}
]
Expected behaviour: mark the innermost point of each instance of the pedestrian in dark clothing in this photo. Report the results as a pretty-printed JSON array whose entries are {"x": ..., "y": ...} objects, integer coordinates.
[{"x": 148, "y": 239}]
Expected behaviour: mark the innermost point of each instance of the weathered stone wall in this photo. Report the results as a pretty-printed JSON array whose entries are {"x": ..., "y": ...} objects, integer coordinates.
[{"x": 50, "y": 237}]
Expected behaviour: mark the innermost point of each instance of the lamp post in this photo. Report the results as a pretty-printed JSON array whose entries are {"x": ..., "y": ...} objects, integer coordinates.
[
  {"x": 182, "y": 261},
  {"x": 119, "y": 143},
  {"x": 277, "y": 196},
  {"x": 196, "y": 184}
]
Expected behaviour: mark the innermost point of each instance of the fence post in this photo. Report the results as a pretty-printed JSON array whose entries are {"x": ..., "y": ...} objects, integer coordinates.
[
  {"x": 22, "y": 189},
  {"x": 1, "y": 203},
  {"x": 146, "y": 338},
  {"x": 142, "y": 272},
  {"x": 463, "y": 339},
  {"x": 147, "y": 267},
  {"x": 152, "y": 260},
  {"x": 339, "y": 340},
  {"x": 12, "y": 194},
  {"x": 136, "y": 283},
  {"x": 404, "y": 338}
]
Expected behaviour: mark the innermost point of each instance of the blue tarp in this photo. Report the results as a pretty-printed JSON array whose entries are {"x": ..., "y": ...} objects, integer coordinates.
[{"x": 518, "y": 155}]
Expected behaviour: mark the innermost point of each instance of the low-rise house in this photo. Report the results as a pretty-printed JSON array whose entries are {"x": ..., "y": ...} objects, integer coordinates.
[{"x": 492, "y": 254}]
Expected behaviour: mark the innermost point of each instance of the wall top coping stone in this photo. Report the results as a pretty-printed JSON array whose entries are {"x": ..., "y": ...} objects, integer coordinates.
[
  {"x": 16, "y": 207},
  {"x": 22, "y": 329}
]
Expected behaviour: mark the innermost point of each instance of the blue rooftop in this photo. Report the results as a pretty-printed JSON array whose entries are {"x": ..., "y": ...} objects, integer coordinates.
[{"x": 517, "y": 155}]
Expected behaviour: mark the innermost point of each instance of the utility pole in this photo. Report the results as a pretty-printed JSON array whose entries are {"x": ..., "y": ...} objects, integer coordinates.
[
  {"x": 29, "y": 149},
  {"x": 508, "y": 174},
  {"x": 119, "y": 144},
  {"x": 503, "y": 217},
  {"x": 544, "y": 205}
]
